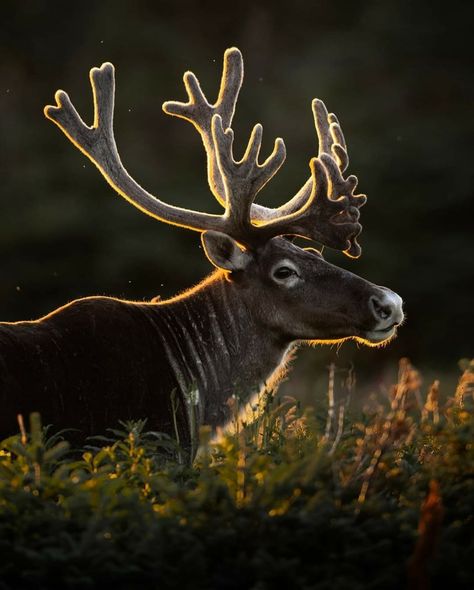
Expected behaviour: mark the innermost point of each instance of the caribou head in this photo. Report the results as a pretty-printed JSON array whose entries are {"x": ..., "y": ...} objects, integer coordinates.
[{"x": 235, "y": 328}]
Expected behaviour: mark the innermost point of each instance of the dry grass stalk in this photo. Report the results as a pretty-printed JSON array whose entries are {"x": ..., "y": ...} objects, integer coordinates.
[
  {"x": 394, "y": 427},
  {"x": 432, "y": 403},
  {"x": 330, "y": 417},
  {"x": 410, "y": 381},
  {"x": 21, "y": 424},
  {"x": 349, "y": 386},
  {"x": 429, "y": 529},
  {"x": 241, "y": 461},
  {"x": 465, "y": 386}
]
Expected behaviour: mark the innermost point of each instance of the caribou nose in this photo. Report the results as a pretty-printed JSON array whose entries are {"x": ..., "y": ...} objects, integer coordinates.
[{"x": 386, "y": 308}]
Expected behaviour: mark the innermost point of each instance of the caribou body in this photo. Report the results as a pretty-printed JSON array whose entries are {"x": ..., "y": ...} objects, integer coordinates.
[{"x": 177, "y": 362}]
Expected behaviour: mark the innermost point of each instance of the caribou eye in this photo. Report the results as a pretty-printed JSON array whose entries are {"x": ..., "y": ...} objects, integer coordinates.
[{"x": 284, "y": 272}]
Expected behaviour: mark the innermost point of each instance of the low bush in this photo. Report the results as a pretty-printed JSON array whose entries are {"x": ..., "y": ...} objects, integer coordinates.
[{"x": 290, "y": 500}]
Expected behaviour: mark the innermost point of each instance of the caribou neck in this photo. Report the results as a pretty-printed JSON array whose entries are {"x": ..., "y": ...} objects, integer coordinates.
[{"x": 217, "y": 349}]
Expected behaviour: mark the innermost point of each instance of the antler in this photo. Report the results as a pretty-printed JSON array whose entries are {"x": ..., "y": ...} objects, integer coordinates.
[
  {"x": 98, "y": 144},
  {"x": 332, "y": 219},
  {"x": 240, "y": 181},
  {"x": 334, "y": 226},
  {"x": 318, "y": 211}
]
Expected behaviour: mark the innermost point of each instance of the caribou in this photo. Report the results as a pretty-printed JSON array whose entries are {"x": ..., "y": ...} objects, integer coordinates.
[{"x": 178, "y": 362}]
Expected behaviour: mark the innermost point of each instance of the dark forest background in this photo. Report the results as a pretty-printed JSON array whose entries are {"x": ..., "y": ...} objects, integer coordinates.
[{"x": 397, "y": 73}]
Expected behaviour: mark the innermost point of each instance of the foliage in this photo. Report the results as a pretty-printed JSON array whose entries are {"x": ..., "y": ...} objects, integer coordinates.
[{"x": 290, "y": 500}]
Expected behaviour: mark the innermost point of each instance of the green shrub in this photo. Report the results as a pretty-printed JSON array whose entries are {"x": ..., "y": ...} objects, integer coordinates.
[{"x": 291, "y": 500}]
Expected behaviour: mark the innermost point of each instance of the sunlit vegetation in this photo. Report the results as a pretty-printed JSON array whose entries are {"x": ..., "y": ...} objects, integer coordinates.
[{"x": 296, "y": 499}]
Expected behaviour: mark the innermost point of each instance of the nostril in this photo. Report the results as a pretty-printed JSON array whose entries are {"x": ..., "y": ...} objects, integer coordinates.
[{"x": 381, "y": 310}]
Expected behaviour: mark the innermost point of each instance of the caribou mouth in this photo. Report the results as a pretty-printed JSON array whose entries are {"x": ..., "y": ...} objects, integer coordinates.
[{"x": 379, "y": 336}]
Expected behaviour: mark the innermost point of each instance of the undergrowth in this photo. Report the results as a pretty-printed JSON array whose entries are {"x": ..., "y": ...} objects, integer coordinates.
[{"x": 291, "y": 500}]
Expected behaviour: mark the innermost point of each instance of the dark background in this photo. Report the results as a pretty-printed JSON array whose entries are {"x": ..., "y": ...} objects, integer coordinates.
[{"x": 397, "y": 73}]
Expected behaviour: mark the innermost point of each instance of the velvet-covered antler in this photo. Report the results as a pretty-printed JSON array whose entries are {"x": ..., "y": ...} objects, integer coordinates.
[
  {"x": 241, "y": 181},
  {"x": 98, "y": 144},
  {"x": 325, "y": 209},
  {"x": 331, "y": 220}
]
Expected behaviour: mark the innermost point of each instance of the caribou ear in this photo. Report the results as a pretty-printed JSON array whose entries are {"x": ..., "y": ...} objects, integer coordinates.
[{"x": 224, "y": 252}]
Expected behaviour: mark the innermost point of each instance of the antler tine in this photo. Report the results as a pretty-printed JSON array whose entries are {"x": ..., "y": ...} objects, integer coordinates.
[
  {"x": 200, "y": 112},
  {"x": 321, "y": 120},
  {"x": 338, "y": 148},
  {"x": 242, "y": 180},
  {"x": 98, "y": 144}
]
